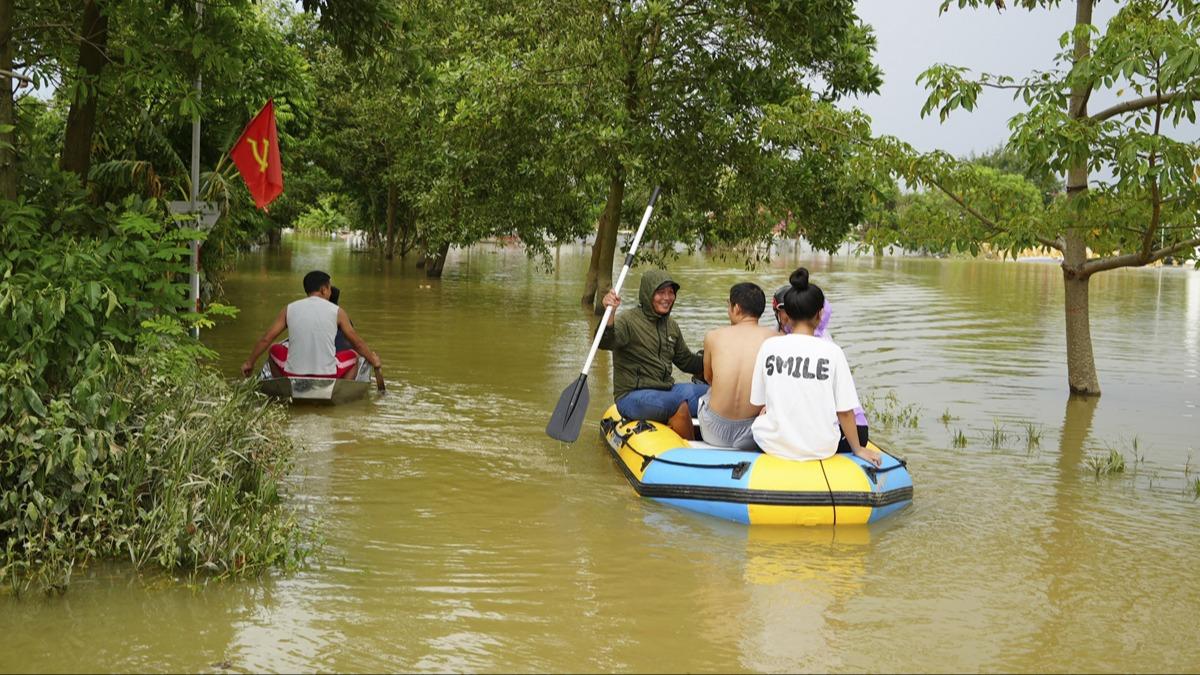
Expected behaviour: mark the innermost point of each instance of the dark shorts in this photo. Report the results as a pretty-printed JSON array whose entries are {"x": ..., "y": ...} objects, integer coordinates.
[
  {"x": 863, "y": 437},
  {"x": 660, "y": 404}
]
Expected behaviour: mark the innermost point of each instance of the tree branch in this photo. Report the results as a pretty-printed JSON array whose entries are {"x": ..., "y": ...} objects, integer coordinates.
[
  {"x": 1136, "y": 259},
  {"x": 987, "y": 222},
  {"x": 991, "y": 85},
  {"x": 1140, "y": 103},
  {"x": 15, "y": 76}
]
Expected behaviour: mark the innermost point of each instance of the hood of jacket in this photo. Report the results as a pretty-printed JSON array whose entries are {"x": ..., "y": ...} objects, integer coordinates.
[{"x": 652, "y": 280}]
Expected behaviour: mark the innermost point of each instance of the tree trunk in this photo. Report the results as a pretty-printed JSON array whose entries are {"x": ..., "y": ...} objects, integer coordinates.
[
  {"x": 81, "y": 120},
  {"x": 1081, "y": 364},
  {"x": 408, "y": 228},
  {"x": 8, "y": 138},
  {"x": 604, "y": 249},
  {"x": 434, "y": 266},
  {"x": 590, "y": 281},
  {"x": 389, "y": 247},
  {"x": 274, "y": 237}
]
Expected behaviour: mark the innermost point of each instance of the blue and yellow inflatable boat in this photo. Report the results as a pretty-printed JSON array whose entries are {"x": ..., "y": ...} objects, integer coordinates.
[{"x": 752, "y": 487}]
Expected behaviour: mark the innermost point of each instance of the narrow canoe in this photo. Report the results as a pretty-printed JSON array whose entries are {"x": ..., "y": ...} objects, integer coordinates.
[{"x": 318, "y": 389}]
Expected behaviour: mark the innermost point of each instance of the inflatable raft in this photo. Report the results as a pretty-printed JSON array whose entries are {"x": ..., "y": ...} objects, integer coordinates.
[{"x": 752, "y": 487}]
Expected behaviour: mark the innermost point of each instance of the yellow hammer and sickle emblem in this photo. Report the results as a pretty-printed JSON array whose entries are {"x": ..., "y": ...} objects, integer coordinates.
[{"x": 261, "y": 159}]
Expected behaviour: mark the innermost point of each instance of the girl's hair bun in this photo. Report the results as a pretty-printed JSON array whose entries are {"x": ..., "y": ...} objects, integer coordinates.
[
  {"x": 803, "y": 300},
  {"x": 799, "y": 279}
]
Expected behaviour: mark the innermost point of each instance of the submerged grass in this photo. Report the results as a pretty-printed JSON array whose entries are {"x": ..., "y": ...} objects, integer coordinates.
[
  {"x": 188, "y": 480},
  {"x": 1106, "y": 465},
  {"x": 997, "y": 437},
  {"x": 207, "y": 462},
  {"x": 959, "y": 439},
  {"x": 115, "y": 442},
  {"x": 1033, "y": 436},
  {"x": 890, "y": 413}
]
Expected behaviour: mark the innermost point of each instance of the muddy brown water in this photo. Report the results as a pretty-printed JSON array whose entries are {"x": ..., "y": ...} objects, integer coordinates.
[{"x": 459, "y": 537}]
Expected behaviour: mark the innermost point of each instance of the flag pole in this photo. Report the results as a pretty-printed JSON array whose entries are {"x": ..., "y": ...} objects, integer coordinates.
[{"x": 195, "y": 281}]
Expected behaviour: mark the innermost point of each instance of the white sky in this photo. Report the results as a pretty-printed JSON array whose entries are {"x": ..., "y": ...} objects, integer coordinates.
[{"x": 911, "y": 37}]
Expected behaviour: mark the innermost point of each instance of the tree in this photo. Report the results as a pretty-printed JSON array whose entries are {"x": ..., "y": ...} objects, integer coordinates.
[
  {"x": 673, "y": 93},
  {"x": 448, "y": 146},
  {"x": 8, "y": 169},
  {"x": 1003, "y": 159},
  {"x": 1131, "y": 188},
  {"x": 101, "y": 54}
]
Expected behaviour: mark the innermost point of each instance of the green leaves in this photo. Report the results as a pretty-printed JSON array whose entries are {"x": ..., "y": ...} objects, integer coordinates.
[
  {"x": 511, "y": 117},
  {"x": 950, "y": 89},
  {"x": 100, "y": 370},
  {"x": 1140, "y": 195}
]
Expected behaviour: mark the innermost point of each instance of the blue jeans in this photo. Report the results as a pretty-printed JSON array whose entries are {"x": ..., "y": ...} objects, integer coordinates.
[{"x": 660, "y": 404}]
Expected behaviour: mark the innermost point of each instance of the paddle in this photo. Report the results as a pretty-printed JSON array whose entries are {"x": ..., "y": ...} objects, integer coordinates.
[
  {"x": 379, "y": 381},
  {"x": 567, "y": 418}
]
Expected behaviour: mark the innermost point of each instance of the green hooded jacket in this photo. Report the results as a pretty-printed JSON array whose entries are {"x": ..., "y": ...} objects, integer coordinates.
[{"x": 645, "y": 344}]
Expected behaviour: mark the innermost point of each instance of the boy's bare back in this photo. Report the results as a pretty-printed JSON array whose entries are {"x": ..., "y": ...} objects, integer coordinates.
[{"x": 729, "y": 354}]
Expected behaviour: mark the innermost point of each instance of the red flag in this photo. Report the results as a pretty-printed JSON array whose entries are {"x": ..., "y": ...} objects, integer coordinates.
[{"x": 256, "y": 155}]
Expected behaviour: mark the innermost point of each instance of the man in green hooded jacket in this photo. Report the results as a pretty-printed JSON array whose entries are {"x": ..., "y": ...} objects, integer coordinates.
[{"x": 645, "y": 342}]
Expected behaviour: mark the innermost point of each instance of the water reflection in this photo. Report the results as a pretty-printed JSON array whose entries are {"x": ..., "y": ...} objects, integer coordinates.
[
  {"x": 799, "y": 580},
  {"x": 1191, "y": 339}
]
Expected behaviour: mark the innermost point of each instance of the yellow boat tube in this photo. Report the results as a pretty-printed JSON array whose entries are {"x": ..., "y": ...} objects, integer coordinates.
[{"x": 752, "y": 487}]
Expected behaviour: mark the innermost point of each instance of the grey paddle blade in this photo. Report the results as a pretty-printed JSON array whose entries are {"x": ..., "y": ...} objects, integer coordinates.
[{"x": 568, "y": 415}]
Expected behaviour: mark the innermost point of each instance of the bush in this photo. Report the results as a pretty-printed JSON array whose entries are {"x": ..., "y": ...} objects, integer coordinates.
[
  {"x": 114, "y": 440},
  {"x": 331, "y": 214}
]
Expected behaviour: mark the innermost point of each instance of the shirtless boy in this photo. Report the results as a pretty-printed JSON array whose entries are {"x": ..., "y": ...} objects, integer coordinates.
[{"x": 729, "y": 352}]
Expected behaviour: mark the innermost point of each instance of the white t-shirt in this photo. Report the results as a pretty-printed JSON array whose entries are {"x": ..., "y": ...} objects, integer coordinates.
[
  {"x": 312, "y": 327},
  {"x": 804, "y": 381}
]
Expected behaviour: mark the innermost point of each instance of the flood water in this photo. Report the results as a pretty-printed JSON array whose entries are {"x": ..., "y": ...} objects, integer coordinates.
[{"x": 459, "y": 537}]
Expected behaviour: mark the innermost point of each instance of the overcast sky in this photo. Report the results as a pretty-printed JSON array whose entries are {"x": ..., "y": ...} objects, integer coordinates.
[{"x": 912, "y": 37}]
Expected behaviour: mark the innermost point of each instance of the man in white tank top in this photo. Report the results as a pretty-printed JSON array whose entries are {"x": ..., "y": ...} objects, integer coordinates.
[{"x": 312, "y": 325}]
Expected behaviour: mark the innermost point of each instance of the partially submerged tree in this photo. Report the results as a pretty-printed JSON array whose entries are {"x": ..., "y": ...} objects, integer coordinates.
[
  {"x": 449, "y": 141},
  {"x": 1131, "y": 195},
  {"x": 673, "y": 93}
]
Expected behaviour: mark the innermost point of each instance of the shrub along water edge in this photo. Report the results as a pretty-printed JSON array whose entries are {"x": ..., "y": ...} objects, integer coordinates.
[{"x": 116, "y": 441}]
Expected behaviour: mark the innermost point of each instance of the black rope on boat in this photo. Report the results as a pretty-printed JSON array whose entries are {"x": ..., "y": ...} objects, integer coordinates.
[
  {"x": 832, "y": 502},
  {"x": 737, "y": 470},
  {"x": 873, "y": 472}
]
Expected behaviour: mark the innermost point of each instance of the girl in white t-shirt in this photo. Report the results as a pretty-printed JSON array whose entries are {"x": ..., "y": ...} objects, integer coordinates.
[{"x": 805, "y": 385}]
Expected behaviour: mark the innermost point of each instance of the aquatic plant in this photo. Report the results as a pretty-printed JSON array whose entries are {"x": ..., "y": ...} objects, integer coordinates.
[
  {"x": 1033, "y": 435},
  {"x": 190, "y": 479},
  {"x": 1135, "y": 451},
  {"x": 960, "y": 439},
  {"x": 998, "y": 437},
  {"x": 947, "y": 418},
  {"x": 891, "y": 413},
  {"x": 1106, "y": 465}
]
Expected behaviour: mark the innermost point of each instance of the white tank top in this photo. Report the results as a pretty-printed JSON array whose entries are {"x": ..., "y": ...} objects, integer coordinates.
[{"x": 312, "y": 327}]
